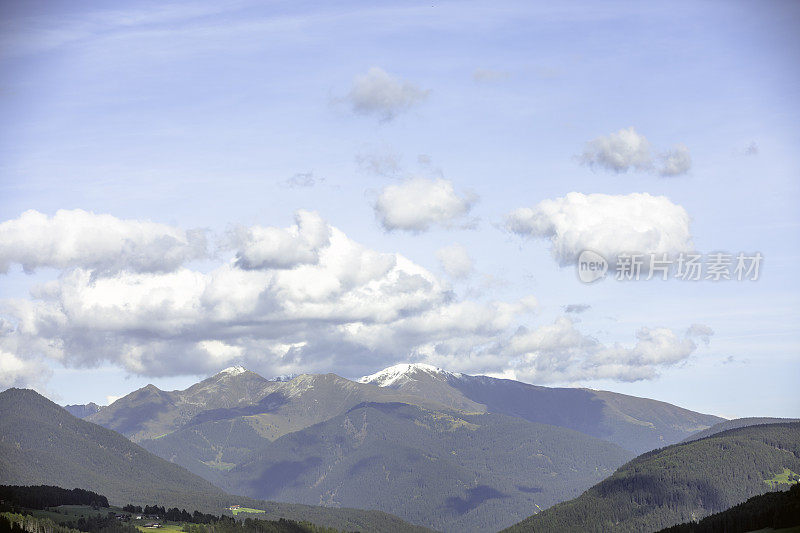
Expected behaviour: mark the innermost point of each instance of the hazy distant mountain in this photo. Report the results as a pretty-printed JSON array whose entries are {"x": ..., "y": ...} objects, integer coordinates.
[
  {"x": 680, "y": 483},
  {"x": 736, "y": 423},
  {"x": 448, "y": 471},
  {"x": 41, "y": 443},
  {"x": 637, "y": 424},
  {"x": 82, "y": 410}
]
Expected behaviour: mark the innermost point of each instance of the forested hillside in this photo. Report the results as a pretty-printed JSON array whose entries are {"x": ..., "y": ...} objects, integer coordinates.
[
  {"x": 680, "y": 483},
  {"x": 775, "y": 510},
  {"x": 451, "y": 472}
]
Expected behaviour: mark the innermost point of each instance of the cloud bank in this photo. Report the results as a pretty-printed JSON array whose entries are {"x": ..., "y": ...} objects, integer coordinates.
[{"x": 302, "y": 298}]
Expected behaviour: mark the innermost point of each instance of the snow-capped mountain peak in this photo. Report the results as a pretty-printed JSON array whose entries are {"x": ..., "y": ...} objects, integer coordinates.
[
  {"x": 398, "y": 374},
  {"x": 234, "y": 370}
]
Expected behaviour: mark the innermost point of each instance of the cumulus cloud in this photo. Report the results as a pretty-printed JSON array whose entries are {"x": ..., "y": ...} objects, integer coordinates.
[
  {"x": 103, "y": 243},
  {"x": 619, "y": 152},
  {"x": 455, "y": 261},
  {"x": 381, "y": 94},
  {"x": 270, "y": 247},
  {"x": 676, "y": 161},
  {"x": 627, "y": 150},
  {"x": 419, "y": 203},
  {"x": 607, "y": 224},
  {"x": 559, "y": 352}
]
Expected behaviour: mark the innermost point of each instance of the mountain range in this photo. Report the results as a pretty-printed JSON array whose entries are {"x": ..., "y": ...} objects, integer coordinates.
[{"x": 445, "y": 450}]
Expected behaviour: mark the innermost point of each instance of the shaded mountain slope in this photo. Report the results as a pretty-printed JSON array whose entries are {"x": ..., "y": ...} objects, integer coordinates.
[
  {"x": 448, "y": 471},
  {"x": 43, "y": 444},
  {"x": 679, "y": 483},
  {"x": 637, "y": 424}
]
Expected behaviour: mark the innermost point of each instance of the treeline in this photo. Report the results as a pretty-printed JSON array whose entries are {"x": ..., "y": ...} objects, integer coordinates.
[
  {"x": 227, "y": 524},
  {"x": 774, "y": 510},
  {"x": 198, "y": 522},
  {"x": 19, "y": 523},
  {"x": 26, "y": 523},
  {"x": 42, "y": 496},
  {"x": 18, "y": 503},
  {"x": 173, "y": 515}
]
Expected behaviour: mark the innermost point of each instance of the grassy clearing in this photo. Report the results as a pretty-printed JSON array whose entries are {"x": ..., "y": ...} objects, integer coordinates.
[
  {"x": 246, "y": 510},
  {"x": 786, "y": 477},
  {"x": 171, "y": 528}
]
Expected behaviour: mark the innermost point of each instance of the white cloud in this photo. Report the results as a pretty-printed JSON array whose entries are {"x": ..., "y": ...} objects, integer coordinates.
[
  {"x": 379, "y": 93},
  {"x": 104, "y": 243},
  {"x": 676, "y": 161},
  {"x": 24, "y": 373},
  {"x": 419, "y": 203},
  {"x": 629, "y": 150},
  {"x": 607, "y": 224},
  {"x": 559, "y": 352},
  {"x": 619, "y": 151},
  {"x": 270, "y": 247},
  {"x": 455, "y": 261}
]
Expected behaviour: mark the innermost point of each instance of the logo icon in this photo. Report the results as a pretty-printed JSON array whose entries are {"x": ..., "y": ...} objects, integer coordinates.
[{"x": 591, "y": 266}]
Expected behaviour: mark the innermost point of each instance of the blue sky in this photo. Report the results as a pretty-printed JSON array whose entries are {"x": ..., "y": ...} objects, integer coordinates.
[{"x": 230, "y": 119}]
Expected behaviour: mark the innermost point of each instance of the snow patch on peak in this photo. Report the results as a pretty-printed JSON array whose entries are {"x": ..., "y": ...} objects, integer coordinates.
[
  {"x": 401, "y": 373},
  {"x": 234, "y": 370}
]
